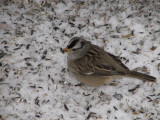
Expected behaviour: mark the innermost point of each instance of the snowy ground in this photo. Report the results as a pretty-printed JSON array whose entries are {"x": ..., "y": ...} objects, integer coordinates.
[{"x": 34, "y": 81}]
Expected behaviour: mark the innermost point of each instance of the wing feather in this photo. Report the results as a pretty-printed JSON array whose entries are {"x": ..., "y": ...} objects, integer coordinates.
[{"x": 92, "y": 64}]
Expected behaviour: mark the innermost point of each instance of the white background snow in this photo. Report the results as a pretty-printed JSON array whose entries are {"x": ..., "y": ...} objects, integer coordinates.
[{"x": 34, "y": 81}]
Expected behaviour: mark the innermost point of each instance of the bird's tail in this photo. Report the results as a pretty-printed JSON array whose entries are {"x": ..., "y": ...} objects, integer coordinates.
[{"x": 141, "y": 76}]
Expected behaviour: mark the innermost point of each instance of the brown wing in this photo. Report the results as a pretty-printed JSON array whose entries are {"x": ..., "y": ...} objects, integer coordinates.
[
  {"x": 91, "y": 64},
  {"x": 115, "y": 58},
  {"x": 98, "y": 70}
]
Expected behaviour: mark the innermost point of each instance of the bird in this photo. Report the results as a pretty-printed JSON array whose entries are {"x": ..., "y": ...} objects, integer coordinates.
[{"x": 93, "y": 66}]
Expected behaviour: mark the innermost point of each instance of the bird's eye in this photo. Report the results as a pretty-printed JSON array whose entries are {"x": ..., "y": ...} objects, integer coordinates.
[{"x": 74, "y": 49}]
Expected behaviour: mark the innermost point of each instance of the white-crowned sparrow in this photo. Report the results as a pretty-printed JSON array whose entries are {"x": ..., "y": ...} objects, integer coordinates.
[{"x": 93, "y": 66}]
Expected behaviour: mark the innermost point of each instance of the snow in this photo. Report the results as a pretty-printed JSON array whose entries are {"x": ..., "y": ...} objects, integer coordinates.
[{"x": 34, "y": 80}]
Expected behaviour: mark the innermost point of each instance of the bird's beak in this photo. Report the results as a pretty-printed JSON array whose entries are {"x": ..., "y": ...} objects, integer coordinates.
[{"x": 67, "y": 50}]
